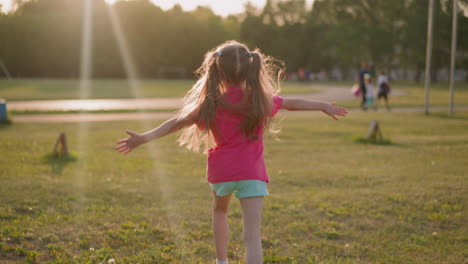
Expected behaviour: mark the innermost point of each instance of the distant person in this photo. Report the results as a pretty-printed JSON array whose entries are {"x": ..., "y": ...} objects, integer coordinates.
[
  {"x": 364, "y": 70},
  {"x": 309, "y": 75},
  {"x": 370, "y": 95},
  {"x": 228, "y": 109},
  {"x": 384, "y": 89},
  {"x": 301, "y": 74}
]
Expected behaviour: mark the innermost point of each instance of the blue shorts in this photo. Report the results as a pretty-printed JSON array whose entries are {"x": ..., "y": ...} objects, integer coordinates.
[{"x": 241, "y": 189}]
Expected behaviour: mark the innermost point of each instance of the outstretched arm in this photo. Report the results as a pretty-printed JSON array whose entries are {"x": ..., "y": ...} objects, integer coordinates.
[
  {"x": 304, "y": 104},
  {"x": 134, "y": 140}
]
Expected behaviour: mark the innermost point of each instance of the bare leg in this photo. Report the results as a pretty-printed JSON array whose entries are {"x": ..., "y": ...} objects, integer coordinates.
[
  {"x": 251, "y": 216},
  {"x": 221, "y": 225}
]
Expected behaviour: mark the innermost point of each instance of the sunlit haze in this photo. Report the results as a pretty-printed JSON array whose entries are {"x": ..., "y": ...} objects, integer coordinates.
[
  {"x": 219, "y": 7},
  {"x": 6, "y": 5},
  {"x": 222, "y": 8}
]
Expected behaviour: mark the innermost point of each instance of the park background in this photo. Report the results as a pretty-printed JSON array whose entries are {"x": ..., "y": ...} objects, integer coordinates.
[
  {"x": 333, "y": 36},
  {"x": 335, "y": 196}
]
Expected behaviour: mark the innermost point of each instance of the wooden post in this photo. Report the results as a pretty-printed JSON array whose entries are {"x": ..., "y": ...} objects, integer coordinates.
[
  {"x": 453, "y": 54},
  {"x": 374, "y": 131},
  {"x": 61, "y": 143},
  {"x": 427, "y": 76}
]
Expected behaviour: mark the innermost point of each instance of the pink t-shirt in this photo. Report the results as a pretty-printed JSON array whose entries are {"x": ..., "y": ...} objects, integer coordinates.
[{"x": 235, "y": 157}]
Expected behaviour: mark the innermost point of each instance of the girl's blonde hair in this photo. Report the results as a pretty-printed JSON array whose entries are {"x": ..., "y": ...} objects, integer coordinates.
[{"x": 231, "y": 63}]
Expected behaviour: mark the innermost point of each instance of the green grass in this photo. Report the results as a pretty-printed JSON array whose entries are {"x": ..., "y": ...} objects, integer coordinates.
[
  {"x": 332, "y": 200},
  {"x": 32, "y": 112},
  {"x": 415, "y": 94},
  {"x": 438, "y": 94},
  {"x": 44, "y": 89}
]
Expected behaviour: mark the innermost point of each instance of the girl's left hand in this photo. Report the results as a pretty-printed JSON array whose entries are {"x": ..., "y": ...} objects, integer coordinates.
[
  {"x": 128, "y": 144},
  {"x": 332, "y": 110}
]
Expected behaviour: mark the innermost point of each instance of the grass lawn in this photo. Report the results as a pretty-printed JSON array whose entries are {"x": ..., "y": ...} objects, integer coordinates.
[
  {"x": 438, "y": 94},
  {"x": 415, "y": 94},
  {"x": 43, "y": 89},
  {"x": 332, "y": 200}
]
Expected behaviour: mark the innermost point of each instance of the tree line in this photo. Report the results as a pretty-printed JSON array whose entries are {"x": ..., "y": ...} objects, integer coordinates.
[{"x": 42, "y": 38}]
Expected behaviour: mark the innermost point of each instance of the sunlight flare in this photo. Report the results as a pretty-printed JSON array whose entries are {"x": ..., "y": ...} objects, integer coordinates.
[
  {"x": 164, "y": 186},
  {"x": 86, "y": 50},
  {"x": 124, "y": 51},
  {"x": 85, "y": 83}
]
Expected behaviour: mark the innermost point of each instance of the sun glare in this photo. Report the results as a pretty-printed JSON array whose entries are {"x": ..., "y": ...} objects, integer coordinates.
[
  {"x": 222, "y": 8},
  {"x": 5, "y": 5}
]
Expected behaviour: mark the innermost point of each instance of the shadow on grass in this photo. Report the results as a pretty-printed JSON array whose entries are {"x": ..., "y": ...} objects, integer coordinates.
[
  {"x": 58, "y": 162},
  {"x": 365, "y": 140},
  {"x": 4, "y": 126},
  {"x": 6, "y": 123}
]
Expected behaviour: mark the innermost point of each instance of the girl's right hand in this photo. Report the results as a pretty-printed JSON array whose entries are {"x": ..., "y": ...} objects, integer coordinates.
[{"x": 128, "y": 144}]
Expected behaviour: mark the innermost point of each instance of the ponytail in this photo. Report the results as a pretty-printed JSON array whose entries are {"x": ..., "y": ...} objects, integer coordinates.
[
  {"x": 253, "y": 75},
  {"x": 207, "y": 109},
  {"x": 260, "y": 101},
  {"x": 199, "y": 105}
]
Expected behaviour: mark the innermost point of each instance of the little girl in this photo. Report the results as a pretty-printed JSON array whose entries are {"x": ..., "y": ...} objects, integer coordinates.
[
  {"x": 227, "y": 110},
  {"x": 370, "y": 103}
]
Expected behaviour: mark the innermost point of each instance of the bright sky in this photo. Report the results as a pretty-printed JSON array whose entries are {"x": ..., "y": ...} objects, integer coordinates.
[
  {"x": 220, "y": 7},
  {"x": 5, "y": 5}
]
